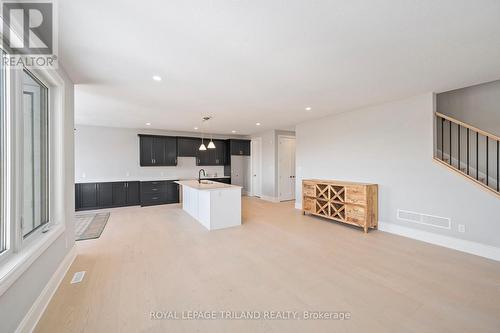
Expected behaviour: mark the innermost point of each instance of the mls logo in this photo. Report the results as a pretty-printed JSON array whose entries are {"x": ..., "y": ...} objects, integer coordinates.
[{"x": 28, "y": 27}]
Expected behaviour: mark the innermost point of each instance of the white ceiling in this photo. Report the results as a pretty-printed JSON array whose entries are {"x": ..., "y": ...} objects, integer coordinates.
[{"x": 266, "y": 60}]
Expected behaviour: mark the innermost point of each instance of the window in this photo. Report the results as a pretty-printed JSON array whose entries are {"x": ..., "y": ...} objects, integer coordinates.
[
  {"x": 3, "y": 127},
  {"x": 35, "y": 143}
]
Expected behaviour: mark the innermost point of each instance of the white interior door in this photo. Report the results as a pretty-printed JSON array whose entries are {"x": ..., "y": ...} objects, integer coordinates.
[
  {"x": 286, "y": 159},
  {"x": 256, "y": 156}
]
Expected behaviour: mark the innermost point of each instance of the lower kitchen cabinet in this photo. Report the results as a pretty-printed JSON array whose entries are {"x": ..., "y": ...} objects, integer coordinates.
[
  {"x": 106, "y": 195},
  {"x": 126, "y": 194},
  {"x": 90, "y": 196},
  {"x": 159, "y": 192},
  {"x": 224, "y": 180}
]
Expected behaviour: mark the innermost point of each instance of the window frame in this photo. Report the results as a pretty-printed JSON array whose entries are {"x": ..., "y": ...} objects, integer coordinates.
[
  {"x": 22, "y": 252},
  {"x": 4, "y": 143},
  {"x": 48, "y": 156}
]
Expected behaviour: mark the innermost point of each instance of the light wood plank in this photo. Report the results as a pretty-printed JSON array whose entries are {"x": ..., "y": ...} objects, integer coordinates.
[{"x": 159, "y": 258}]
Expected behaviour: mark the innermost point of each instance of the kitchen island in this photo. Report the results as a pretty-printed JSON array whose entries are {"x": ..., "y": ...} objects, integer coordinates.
[{"x": 215, "y": 205}]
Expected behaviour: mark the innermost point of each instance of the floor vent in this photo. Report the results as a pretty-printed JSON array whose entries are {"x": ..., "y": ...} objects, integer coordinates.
[
  {"x": 425, "y": 219},
  {"x": 78, "y": 277}
]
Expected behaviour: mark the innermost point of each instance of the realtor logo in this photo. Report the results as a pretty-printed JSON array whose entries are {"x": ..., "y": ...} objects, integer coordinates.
[{"x": 28, "y": 36}]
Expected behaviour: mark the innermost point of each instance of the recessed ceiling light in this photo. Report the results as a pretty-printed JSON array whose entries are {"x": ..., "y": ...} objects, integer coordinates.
[
  {"x": 258, "y": 124},
  {"x": 196, "y": 128},
  {"x": 148, "y": 124},
  {"x": 308, "y": 108},
  {"x": 157, "y": 78},
  {"x": 233, "y": 131}
]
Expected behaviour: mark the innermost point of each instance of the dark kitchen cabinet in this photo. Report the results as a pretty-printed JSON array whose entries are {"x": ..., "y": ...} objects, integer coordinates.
[
  {"x": 215, "y": 156},
  {"x": 157, "y": 150},
  {"x": 172, "y": 192},
  {"x": 87, "y": 196},
  {"x": 159, "y": 192},
  {"x": 239, "y": 147},
  {"x": 106, "y": 195},
  {"x": 125, "y": 194},
  {"x": 133, "y": 194},
  {"x": 221, "y": 156},
  {"x": 188, "y": 147},
  {"x": 170, "y": 149},
  {"x": 225, "y": 180}
]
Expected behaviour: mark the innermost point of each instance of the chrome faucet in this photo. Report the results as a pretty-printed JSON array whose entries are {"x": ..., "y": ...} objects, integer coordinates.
[{"x": 199, "y": 175}]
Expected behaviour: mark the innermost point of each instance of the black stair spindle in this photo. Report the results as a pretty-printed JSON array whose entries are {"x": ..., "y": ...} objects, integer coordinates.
[
  {"x": 477, "y": 155},
  {"x": 458, "y": 128},
  {"x": 442, "y": 139},
  {"x": 451, "y": 163},
  {"x": 487, "y": 159},
  {"x": 468, "y": 134}
]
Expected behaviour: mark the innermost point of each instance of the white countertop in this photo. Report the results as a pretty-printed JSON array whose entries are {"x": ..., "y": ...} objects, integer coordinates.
[
  {"x": 140, "y": 179},
  {"x": 211, "y": 186}
]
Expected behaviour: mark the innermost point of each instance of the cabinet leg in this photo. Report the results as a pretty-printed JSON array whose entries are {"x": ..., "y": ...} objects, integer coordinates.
[
  {"x": 303, "y": 212},
  {"x": 366, "y": 229}
]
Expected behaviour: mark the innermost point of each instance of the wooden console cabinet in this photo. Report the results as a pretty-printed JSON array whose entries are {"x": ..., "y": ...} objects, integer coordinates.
[{"x": 351, "y": 203}]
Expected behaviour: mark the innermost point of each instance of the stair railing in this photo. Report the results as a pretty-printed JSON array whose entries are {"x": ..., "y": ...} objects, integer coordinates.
[{"x": 478, "y": 160}]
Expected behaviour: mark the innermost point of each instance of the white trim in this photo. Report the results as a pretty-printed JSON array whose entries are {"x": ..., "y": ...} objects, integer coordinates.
[
  {"x": 34, "y": 314},
  {"x": 19, "y": 262},
  {"x": 483, "y": 250},
  {"x": 269, "y": 198}
]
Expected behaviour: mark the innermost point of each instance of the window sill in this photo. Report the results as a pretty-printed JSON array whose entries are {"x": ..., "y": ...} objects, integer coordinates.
[{"x": 19, "y": 262}]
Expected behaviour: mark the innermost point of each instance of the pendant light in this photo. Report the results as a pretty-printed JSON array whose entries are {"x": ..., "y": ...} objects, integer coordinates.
[
  {"x": 202, "y": 146},
  {"x": 211, "y": 144}
]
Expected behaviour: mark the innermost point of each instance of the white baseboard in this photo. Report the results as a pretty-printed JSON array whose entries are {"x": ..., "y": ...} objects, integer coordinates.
[
  {"x": 30, "y": 320},
  {"x": 482, "y": 250},
  {"x": 269, "y": 198}
]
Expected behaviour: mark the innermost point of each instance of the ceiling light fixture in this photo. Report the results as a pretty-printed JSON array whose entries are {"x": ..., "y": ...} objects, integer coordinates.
[
  {"x": 308, "y": 108},
  {"x": 233, "y": 131},
  {"x": 211, "y": 144},
  {"x": 258, "y": 124},
  {"x": 157, "y": 78},
  {"x": 148, "y": 124},
  {"x": 196, "y": 128}
]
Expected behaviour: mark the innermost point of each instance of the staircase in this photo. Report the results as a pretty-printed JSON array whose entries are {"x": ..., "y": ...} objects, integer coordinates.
[{"x": 468, "y": 150}]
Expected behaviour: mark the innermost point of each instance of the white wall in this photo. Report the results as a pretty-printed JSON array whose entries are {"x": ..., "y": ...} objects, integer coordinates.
[
  {"x": 392, "y": 145},
  {"x": 477, "y": 105},
  {"x": 112, "y": 154},
  {"x": 18, "y": 299}
]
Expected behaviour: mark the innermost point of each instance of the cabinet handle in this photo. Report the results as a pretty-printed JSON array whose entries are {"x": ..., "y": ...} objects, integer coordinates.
[
  {"x": 154, "y": 189},
  {"x": 154, "y": 198}
]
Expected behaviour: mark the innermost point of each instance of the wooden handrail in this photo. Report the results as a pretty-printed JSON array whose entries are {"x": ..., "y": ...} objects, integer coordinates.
[{"x": 461, "y": 123}]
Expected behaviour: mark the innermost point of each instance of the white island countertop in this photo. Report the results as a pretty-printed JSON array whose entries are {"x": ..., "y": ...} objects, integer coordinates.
[
  {"x": 215, "y": 205},
  {"x": 206, "y": 185}
]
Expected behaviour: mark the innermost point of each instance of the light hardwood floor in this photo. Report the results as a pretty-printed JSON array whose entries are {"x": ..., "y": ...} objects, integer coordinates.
[{"x": 160, "y": 259}]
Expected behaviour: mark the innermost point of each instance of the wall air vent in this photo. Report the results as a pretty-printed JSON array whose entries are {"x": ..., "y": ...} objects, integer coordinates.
[{"x": 424, "y": 219}]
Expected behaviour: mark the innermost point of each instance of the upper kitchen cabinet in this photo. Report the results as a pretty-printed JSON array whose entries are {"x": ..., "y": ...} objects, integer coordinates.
[
  {"x": 158, "y": 150},
  {"x": 216, "y": 156},
  {"x": 239, "y": 147},
  {"x": 188, "y": 147}
]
